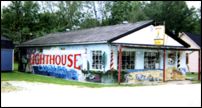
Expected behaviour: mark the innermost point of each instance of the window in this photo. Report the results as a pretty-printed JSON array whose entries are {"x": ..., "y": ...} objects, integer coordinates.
[
  {"x": 187, "y": 58},
  {"x": 40, "y": 50},
  {"x": 62, "y": 48},
  {"x": 151, "y": 60},
  {"x": 171, "y": 58},
  {"x": 97, "y": 59},
  {"x": 128, "y": 60}
]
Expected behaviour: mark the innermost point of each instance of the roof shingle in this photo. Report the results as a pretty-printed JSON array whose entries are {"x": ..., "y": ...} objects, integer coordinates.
[
  {"x": 92, "y": 35},
  {"x": 196, "y": 38}
]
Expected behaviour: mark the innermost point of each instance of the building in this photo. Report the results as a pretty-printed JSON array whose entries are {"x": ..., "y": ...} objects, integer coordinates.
[
  {"x": 194, "y": 41},
  {"x": 7, "y": 54},
  {"x": 130, "y": 52}
]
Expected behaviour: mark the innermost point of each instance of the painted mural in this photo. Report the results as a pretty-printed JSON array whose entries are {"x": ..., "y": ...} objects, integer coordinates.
[
  {"x": 149, "y": 75},
  {"x": 173, "y": 74},
  {"x": 66, "y": 65},
  {"x": 155, "y": 75}
]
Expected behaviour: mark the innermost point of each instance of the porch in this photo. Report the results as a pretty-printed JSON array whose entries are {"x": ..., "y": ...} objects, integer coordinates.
[{"x": 152, "y": 63}]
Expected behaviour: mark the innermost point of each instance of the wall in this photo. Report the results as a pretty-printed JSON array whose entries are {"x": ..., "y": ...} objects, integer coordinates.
[
  {"x": 154, "y": 74},
  {"x": 193, "y": 61},
  {"x": 193, "y": 56},
  {"x": 7, "y": 59},
  {"x": 150, "y": 75},
  {"x": 76, "y": 60},
  {"x": 146, "y": 36}
]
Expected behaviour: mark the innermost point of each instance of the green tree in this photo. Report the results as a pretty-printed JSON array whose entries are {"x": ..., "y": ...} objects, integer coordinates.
[
  {"x": 69, "y": 14},
  {"x": 177, "y": 16},
  {"x": 11, "y": 21},
  {"x": 120, "y": 11}
]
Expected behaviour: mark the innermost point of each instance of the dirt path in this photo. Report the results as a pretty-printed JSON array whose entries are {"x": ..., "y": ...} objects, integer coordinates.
[{"x": 41, "y": 94}]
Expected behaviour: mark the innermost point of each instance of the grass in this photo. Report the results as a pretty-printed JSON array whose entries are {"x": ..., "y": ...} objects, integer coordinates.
[
  {"x": 193, "y": 76},
  {"x": 22, "y": 76}
]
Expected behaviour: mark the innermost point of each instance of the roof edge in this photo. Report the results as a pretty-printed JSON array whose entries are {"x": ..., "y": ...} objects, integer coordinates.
[
  {"x": 61, "y": 44},
  {"x": 131, "y": 31},
  {"x": 175, "y": 37}
]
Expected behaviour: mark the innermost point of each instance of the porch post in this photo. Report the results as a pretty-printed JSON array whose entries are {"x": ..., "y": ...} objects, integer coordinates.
[
  {"x": 120, "y": 58},
  {"x": 164, "y": 65},
  {"x": 199, "y": 65}
]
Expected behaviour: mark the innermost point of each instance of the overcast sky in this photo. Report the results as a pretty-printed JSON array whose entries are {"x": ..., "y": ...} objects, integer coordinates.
[{"x": 196, "y": 4}]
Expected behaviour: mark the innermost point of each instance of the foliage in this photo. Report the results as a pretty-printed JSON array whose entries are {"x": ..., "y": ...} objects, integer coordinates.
[
  {"x": 25, "y": 20},
  {"x": 176, "y": 14}
]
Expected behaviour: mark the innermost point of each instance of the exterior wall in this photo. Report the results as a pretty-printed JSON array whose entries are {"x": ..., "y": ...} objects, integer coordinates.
[
  {"x": 80, "y": 54},
  {"x": 7, "y": 59},
  {"x": 193, "y": 61},
  {"x": 85, "y": 51},
  {"x": 193, "y": 56},
  {"x": 139, "y": 74},
  {"x": 146, "y": 36}
]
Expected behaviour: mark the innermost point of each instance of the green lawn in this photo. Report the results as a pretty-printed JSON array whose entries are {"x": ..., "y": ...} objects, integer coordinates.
[
  {"x": 193, "y": 76},
  {"x": 22, "y": 76}
]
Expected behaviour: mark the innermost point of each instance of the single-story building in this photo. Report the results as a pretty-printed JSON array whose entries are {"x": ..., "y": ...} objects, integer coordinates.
[
  {"x": 130, "y": 53},
  {"x": 7, "y": 54},
  {"x": 194, "y": 41}
]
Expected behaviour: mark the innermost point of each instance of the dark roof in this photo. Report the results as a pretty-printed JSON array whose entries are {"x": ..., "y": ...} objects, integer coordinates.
[
  {"x": 175, "y": 37},
  {"x": 93, "y": 35},
  {"x": 4, "y": 38},
  {"x": 195, "y": 37},
  {"x": 6, "y": 43}
]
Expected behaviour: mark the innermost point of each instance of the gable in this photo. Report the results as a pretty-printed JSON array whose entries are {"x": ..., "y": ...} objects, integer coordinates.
[
  {"x": 146, "y": 36},
  {"x": 192, "y": 43}
]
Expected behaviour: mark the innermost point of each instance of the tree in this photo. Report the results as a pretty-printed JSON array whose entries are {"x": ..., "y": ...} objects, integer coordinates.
[
  {"x": 69, "y": 14},
  {"x": 12, "y": 21},
  {"x": 177, "y": 16},
  {"x": 120, "y": 11}
]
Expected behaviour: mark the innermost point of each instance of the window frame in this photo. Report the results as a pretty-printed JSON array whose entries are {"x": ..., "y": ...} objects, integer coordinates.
[
  {"x": 127, "y": 57},
  {"x": 97, "y": 57},
  {"x": 150, "y": 59}
]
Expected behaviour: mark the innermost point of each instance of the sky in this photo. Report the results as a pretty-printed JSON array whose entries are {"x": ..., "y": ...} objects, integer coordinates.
[{"x": 196, "y": 4}]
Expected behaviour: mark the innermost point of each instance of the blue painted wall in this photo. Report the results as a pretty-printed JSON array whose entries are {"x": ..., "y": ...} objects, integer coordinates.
[{"x": 7, "y": 59}]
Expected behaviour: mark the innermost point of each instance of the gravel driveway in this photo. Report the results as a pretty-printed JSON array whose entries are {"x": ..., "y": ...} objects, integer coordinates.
[{"x": 42, "y": 94}]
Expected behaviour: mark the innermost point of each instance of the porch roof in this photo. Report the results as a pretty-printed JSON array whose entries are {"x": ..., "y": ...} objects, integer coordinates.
[{"x": 159, "y": 47}]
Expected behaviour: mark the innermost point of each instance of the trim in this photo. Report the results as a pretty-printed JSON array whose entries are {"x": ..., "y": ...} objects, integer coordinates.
[
  {"x": 62, "y": 44},
  {"x": 153, "y": 47},
  {"x": 142, "y": 70},
  {"x": 129, "y": 32}
]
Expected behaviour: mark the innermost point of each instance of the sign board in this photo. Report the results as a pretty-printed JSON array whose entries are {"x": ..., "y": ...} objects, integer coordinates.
[
  {"x": 159, "y": 32},
  {"x": 158, "y": 41}
]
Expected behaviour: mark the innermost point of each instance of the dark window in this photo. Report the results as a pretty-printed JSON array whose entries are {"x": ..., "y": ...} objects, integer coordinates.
[
  {"x": 151, "y": 60},
  {"x": 41, "y": 50},
  {"x": 171, "y": 58},
  {"x": 128, "y": 60},
  {"x": 187, "y": 58}
]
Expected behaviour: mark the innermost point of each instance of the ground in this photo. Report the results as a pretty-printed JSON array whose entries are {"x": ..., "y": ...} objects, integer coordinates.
[{"x": 43, "y": 94}]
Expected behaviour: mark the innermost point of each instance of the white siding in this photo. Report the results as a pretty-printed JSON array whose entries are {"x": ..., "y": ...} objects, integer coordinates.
[
  {"x": 146, "y": 36},
  {"x": 81, "y": 49}
]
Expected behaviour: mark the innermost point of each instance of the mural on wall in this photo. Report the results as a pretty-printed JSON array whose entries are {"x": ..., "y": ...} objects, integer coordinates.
[
  {"x": 56, "y": 71},
  {"x": 155, "y": 75},
  {"x": 173, "y": 74},
  {"x": 67, "y": 66},
  {"x": 150, "y": 75}
]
